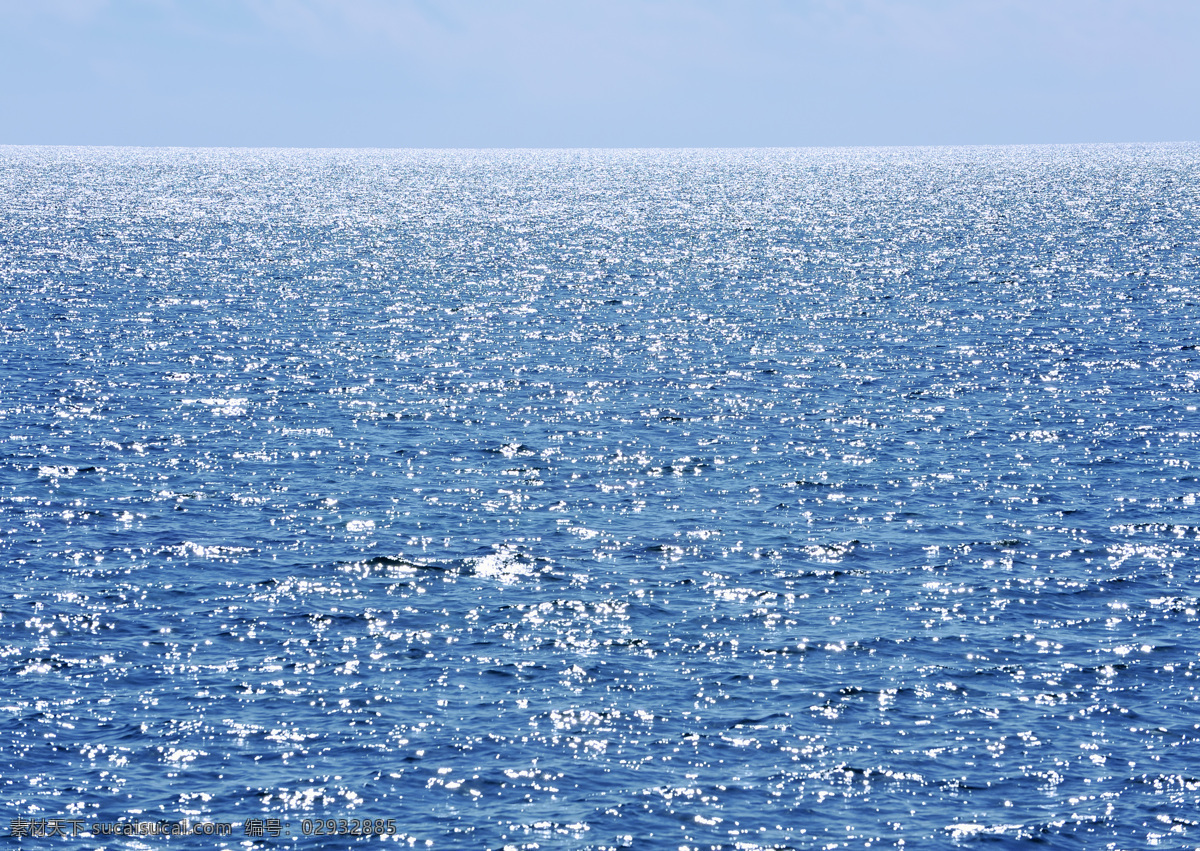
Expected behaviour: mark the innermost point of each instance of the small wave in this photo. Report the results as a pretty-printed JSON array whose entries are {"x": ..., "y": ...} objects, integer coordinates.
[
  {"x": 401, "y": 563},
  {"x": 505, "y": 565}
]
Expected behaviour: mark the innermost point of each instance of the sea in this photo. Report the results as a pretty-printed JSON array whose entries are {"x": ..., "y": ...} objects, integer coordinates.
[{"x": 598, "y": 499}]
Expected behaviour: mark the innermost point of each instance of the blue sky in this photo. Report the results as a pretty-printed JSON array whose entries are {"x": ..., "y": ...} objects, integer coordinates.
[{"x": 533, "y": 73}]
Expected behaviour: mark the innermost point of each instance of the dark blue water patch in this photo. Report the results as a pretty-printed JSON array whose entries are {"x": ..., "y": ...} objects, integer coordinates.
[{"x": 573, "y": 499}]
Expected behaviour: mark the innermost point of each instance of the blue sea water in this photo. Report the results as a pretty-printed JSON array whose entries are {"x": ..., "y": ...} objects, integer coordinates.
[{"x": 703, "y": 499}]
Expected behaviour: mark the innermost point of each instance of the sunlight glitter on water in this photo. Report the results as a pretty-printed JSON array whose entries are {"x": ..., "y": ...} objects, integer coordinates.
[{"x": 744, "y": 499}]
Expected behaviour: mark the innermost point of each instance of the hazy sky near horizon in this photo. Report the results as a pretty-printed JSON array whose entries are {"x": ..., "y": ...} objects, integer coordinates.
[{"x": 618, "y": 73}]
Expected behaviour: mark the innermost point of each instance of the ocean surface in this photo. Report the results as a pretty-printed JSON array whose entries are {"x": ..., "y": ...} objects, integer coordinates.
[{"x": 681, "y": 499}]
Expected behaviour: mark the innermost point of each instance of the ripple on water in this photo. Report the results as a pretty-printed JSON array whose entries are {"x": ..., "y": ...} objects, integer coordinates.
[{"x": 583, "y": 499}]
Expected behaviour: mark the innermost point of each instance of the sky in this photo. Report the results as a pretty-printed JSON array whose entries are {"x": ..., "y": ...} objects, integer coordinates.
[{"x": 597, "y": 73}]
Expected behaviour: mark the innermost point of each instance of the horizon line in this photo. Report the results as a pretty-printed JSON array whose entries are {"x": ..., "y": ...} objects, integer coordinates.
[{"x": 873, "y": 146}]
